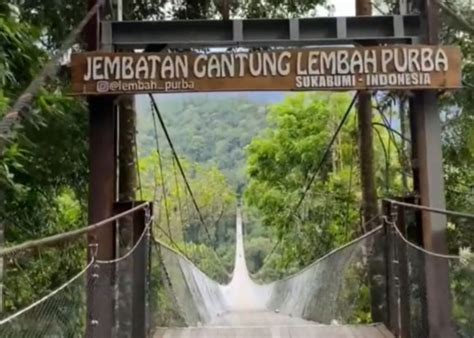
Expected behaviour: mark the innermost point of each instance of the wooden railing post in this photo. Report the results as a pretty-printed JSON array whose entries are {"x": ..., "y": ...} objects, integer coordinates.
[{"x": 391, "y": 320}]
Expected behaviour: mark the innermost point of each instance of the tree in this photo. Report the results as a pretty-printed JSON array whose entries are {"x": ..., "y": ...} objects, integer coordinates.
[
  {"x": 178, "y": 220},
  {"x": 280, "y": 161},
  {"x": 42, "y": 179}
]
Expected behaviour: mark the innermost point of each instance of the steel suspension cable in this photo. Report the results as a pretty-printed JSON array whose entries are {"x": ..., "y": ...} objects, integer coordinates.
[
  {"x": 160, "y": 164},
  {"x": 19, "y": 110},
  {"x": 69, "y": 234},
  {"x": 316, "y": 171},
  {"x": 326, "y": 153},
  {"x": 185, "y": 179},
  {"x": 178, "y": 194},
  {"x": 417, "y": 247},
  {"x": 349, "y": 190},
  {"x": 180, "y": 167},
  {"x": 430, "y": 209},
  {"x": 137, "y": 166},
  {"x": 168, "y": 234}
]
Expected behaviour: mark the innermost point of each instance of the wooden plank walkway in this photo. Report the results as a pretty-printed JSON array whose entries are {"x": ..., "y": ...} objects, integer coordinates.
[{"x": 271, "y": 325}]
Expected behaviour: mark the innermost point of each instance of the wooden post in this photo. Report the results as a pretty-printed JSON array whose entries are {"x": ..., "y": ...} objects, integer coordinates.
[
  {"x": 403, "y": 274},
  {"x": 428, "y": 166},
  {"x": 391, "y": 320},
  {"x": 140, "y": 271},
  {"x": 369, "y": 192},
  {"x": 102, "y": 195},
  {"x": 101, "y": 200}
]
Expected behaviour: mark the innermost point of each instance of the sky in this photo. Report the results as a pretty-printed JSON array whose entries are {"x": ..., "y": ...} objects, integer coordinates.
[{"x": 343, "y": 7}]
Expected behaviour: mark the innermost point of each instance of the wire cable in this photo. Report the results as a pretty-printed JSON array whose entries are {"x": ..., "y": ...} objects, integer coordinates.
[
  {"x": 180, "y": 167},
  {"x": 466, "y": 25},
  {"x": 160, "y": 163},
  {"x": 315, "y": 173},
  {"x": 417, "y": 247},
  {"x": 70, "y": 234},
  {"x": 178, "y": 194},
  {"x": 326, "y": 153},
  {"x": 430, "y": 209},
  {"x": 185, "y": 179},
  {"x": 387, "y": 160},
  {"x": 137, "y": 166},
  {"x": 349, "y": 191}
]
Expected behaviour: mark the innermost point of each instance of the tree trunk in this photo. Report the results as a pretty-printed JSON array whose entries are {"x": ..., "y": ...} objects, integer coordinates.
[
  {"x": 369, "y": 191},
  {"x": 403, "y": 130}
]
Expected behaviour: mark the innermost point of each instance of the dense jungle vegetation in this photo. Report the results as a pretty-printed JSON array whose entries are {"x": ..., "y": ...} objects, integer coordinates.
[{"x": 251, "y": 149}]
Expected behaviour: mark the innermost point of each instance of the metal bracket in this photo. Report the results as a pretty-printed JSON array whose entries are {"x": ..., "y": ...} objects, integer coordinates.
[{"x": 390, "y": 29}]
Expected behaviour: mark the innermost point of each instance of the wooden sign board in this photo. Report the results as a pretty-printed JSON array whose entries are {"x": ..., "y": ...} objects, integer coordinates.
[{"x": 391, "y": 67}]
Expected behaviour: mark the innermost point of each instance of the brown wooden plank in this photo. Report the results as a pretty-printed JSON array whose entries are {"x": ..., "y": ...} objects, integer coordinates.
[
  {"x": 388, "y": 67},
  {"x": 313, "y": 331}
]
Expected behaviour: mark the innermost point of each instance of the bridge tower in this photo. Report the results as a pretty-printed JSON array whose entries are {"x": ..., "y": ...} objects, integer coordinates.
[{"x": 102, "y": 35}]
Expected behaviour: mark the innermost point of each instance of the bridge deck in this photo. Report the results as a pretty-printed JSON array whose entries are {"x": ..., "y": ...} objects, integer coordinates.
[{"x": 271, "y": 325}]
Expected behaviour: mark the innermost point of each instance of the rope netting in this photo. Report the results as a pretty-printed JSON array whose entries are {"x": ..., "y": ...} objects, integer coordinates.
[
  {"x": 460, "y": 276},
  {"x": 413, "y": 271},
  {"x": 44, "y": 291},
  {"x": 42, "y": 299},
  {"x": 335, "y": 288}
]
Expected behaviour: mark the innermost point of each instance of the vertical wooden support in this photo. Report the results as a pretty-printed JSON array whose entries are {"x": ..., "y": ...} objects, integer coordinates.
[
  {"x": 428, "y": 163},
  {"x": 102, "y": 195},
  {"x": 404, "y": 286},
  {"x": 140, "y": 271},
  {"x": 369, "y": 191},
  {"x": 392, "y": 318},
  {"x": 124, "y": 270},
  {"x": 430, "y": 185},
  {"x": 132, "y": 296}
]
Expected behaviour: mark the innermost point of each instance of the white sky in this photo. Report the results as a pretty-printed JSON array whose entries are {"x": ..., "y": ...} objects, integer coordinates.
[{"x": 343, "y": 7}]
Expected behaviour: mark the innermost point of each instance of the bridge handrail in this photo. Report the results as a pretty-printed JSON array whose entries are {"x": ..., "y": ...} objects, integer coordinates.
[
  {"x": 333, "y": 252},
  {"x": 417, "y": 247},
  {"x": 69, "y": 234},
  {"x": 430, "y": 209},
  {"x": 175, "y": 251}
]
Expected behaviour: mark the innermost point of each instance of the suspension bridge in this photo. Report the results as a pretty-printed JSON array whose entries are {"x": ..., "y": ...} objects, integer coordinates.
[
  {"x": 318, "y": 301},
  {"x": 399, "y": 267}
]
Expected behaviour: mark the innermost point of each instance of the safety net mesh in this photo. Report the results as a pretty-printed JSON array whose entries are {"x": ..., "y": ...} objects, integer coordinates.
[
  {"x": 339, "y": 288},
  {"x": 180, "y": 294},
  {"x": 44, "y": 292},
  {"x": 335, "y": 288},
  {"x": 72, "y": 301},
  {"x": 332, "y": 289},
  {"x": 414, "y": 277}
]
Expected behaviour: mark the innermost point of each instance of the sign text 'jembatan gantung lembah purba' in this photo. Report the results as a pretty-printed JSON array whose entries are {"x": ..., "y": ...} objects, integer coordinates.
[{"x": 394, "y": 67}]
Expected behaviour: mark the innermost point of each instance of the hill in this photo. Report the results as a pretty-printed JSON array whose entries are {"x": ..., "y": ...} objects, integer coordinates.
[{"x": 211, "y": 129}]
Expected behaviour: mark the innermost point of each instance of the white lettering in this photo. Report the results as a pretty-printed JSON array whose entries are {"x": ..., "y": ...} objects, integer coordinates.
[
  {"x": 284, "y": 66},
  {"x": 198, "y": 69},
  {"x": 97, "y": 75},
  {"x": 127, "y": 68},
  {"x": 441, "y": 61},
  {"x": 387, "y": 58}
]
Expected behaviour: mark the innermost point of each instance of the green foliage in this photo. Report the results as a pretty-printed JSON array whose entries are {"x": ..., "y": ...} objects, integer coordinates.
[
  {"x": 44, "y": 170},
  {"x": 207, "y": 129},
  {"x": 279, "y": 163},
  {"x": 178, "y": 222}
]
